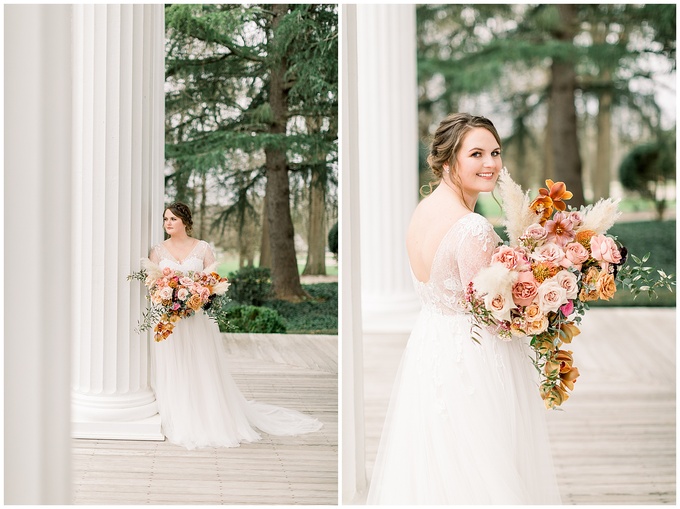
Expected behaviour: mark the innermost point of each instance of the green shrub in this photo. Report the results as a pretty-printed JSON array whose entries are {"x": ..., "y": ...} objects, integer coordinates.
[
  {"x": 333, "y": 244},
  {"x": 249, "y": 285},
  {"x": 318, "y": 315},
  {"x": 251, "y": 319}
]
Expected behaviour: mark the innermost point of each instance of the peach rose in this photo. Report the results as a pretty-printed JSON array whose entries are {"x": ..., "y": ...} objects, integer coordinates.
[
  {"x": 568, "y": 281},
  {"x": 576, "y": 254},
  {"x": 525, "y": 289},
  {"x": 537, "y": 326},
  {"x": 182, "y": 294},
  {"x": 186, "y": 281},
  {"x": 167, "y": 271},
  {"x": 532, "y": 312},
  {"x": 508, "y": 257},
  {"x": 517, "y": 326},
  {"x": 551, "y": 296},
  {"x": 590, "y": 292},
  {"x": 606, "y": 286},
  {"x": 195, "y": 302}
]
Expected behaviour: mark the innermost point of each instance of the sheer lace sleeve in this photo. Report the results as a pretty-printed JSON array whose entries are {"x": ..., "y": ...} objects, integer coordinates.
[
  {"x": 476, "y": 248},
  {"x": 154, "y": 255},
  {"x": 208, "y": 256}
]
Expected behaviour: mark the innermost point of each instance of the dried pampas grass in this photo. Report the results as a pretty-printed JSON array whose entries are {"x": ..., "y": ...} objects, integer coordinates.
[
  {"x": 601, "y": 216},
  {"x": 517, "y": 214},
  {"x": 153, "y": 271},
  {"x": 494, "y": 279}
]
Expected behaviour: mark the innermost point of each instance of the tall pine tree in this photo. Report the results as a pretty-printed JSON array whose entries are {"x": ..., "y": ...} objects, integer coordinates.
[{"x": 242, "y": 81}]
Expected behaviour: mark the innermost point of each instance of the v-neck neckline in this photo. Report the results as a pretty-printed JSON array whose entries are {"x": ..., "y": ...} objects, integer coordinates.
[{"x": 185, "y": 257}]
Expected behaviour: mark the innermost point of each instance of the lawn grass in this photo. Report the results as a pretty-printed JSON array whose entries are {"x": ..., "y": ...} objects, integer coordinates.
[{"x": 230, "y": 264}]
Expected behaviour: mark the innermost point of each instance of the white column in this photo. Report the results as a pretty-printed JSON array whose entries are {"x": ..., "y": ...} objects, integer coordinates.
[
  {"x": 118, "y": 98},
  {"x": 353, "y": 455},
  {"x": 37, "y": 265},
  {"x": 388, "y": 160}
]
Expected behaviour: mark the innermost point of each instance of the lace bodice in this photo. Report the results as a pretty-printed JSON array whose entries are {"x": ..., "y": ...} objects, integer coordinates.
[
  {"x": 462, "y": 252},
  {"x": 200, "y": 257}
]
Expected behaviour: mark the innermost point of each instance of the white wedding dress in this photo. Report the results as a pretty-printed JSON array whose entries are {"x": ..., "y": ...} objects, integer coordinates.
[
  {"x": 198, "y": 400},
  {"x": 465, "y": 423}
]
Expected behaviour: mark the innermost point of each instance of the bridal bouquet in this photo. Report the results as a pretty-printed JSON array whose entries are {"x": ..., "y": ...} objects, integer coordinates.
[
  {"x": 539, "y": 283},
  {"x": 174, "y": 295}
]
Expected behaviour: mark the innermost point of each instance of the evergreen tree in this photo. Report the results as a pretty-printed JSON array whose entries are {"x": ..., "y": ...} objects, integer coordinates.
[
  {"x": 537, "y": 61},
  {"x": 243, "y": 80}
]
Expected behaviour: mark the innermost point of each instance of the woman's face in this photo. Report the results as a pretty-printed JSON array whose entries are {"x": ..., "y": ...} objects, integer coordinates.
[
  {"x": 478, "y": 162},
  {"x": 172, "y": 223}
]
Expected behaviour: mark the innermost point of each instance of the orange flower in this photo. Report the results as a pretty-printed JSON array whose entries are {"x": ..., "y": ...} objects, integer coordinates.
[
  {"x": 583, "y": 237},
  {"x": 568, "y": 331},
  {"x": 543, "y": 207},
  {"x": 195, "y": 302},
  {"x": 557, "y": 191},
  {"x": 553, "y": 395},
  {"x": 569, "y": 378},
  {"x": 544, "y": 270},
  {"x": 565, "y": 360}
]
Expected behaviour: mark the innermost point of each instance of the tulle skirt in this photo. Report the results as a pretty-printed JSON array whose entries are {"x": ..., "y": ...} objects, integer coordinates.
[
  {"x": 465, "y": 424},
  {"x": 198, "y": 400}
]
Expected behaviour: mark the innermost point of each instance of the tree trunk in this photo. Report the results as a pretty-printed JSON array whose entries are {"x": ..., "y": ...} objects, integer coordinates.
[
  {"x": 285, "y": 277},
  {"x": 265, "y": 251},
  {"x": 201, "y": 210},
  {"x": 316, "y": 250},
  {"x": 602, "y": 171},
  {"x": 564, "y": 134},
  {"x": 548, "y": 169}
]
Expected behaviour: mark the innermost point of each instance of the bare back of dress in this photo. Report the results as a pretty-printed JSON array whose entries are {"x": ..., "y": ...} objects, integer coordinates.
[{"x": 465, "y": 248}]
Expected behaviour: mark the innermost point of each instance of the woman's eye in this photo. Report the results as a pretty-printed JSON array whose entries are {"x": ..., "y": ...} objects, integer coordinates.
[
  {"x": 496, "y": 153},
  {"x": 476, "y": 154}
]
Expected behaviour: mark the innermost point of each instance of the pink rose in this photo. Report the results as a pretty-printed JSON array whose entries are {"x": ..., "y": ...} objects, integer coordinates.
[
  {"x": 508, "y": 257},
  {"x": 576, "y": 219},
  {"x": 204, "y": 293},
  {"x": 182, "y": 294},
  {"x": 604, "y": 249},
  {"x": 167, "y": 271},
  {"x": 568, "y": 281},
  {"x": 551, "y": 253},
  {"x": 577, "y": 254},
  {"x": 551, "y": 296},
  {"x": 535, "y": 232},
  {"x": 525, "y": 289},
  {"x": 186, "y": 281}
]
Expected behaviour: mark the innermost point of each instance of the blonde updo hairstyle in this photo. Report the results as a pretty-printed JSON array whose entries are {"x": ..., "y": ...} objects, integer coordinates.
[{"x": 446, "y": 144}]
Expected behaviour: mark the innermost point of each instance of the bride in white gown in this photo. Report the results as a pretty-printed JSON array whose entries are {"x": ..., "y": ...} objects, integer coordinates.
[
  {"x": 198, "y": 400},
  {"x": 465, "y": 423}
]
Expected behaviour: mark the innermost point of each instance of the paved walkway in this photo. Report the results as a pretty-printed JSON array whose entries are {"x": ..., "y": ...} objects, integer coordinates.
[
  {"x": 294, "y": 371},
  {"x": 614, "y": 441}
]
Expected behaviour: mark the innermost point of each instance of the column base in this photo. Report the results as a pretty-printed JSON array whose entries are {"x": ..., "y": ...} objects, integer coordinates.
[{"x": 145, "y": 429}]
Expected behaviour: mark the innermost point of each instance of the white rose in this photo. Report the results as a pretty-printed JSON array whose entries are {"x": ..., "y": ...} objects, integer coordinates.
[
  {"x": 551, "y": 296},
  {"x": 568, "y": 281}
]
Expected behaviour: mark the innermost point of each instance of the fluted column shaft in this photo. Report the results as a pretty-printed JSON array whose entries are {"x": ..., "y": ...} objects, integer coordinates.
[
  {"x": 118, "y": 98},
  {"x": 388, "y": 159},
  {"x": 37, "y": 263}
]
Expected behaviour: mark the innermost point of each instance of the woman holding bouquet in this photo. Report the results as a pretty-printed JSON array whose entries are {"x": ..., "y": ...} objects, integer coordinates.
[
  {"x": 465, "y": 424},
  {"x": 198, "y": 401}
]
